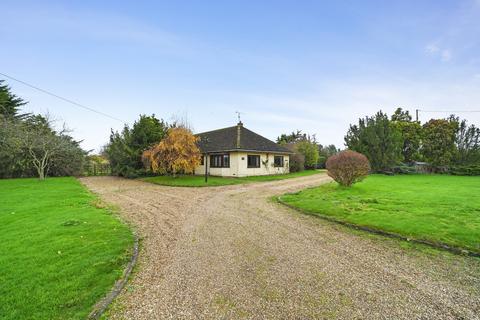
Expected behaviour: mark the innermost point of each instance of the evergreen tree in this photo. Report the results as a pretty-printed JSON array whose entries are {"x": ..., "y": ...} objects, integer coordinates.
[
  {"x": 401, "y": 115},
  {"x": 467, "y": 140},
  {"x": 377, "y": 139},
  {"x": 293, "y": 137},
  {"x": 12, "y": 159},
  {"x": 411, "y": 132},
  {"x": 438, "y": 146},
  {"x": 10, "y": 103},
  {"x": 125, "y": 148}
]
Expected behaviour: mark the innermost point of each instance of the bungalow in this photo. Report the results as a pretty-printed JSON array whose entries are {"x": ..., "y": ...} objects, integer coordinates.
[{"x": 238, "y": 152}]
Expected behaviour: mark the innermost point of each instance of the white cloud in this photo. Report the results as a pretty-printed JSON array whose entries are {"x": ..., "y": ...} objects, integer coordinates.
[
  {"x": 432, "y": 48},
  {"x": 446, "y": 55},
  {"x": 435, "y": 50}
]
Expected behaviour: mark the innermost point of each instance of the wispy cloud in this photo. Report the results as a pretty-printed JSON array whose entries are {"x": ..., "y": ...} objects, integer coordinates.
[
  {"x": 114, "y": 29},
  {"x": 329, "y": 111},
  {"x": 456, "y": 37},
  {"x": 446, "y": 55},
  {"x": 431, "y": 48},
  {"x": 111, "y": 28},
  {"x": 435, "y": 50}
]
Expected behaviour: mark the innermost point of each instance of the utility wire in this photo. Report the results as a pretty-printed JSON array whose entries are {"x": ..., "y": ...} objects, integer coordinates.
[
  {"x": 62, "y": 98},
  {"x": 453, "y": 111}
]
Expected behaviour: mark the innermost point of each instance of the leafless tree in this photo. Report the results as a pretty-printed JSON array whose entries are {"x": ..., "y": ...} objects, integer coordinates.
[{"x": 43, "y": 145}]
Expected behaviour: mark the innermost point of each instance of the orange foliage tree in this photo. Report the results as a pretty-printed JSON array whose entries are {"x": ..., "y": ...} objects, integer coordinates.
[{"x": 177, "y": 153}]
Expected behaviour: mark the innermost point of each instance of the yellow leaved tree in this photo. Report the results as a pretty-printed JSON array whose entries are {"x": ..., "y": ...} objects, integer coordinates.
[{"x": 177, "y": 153}]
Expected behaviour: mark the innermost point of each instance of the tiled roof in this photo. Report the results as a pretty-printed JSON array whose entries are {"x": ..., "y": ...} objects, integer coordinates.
[{"x": 236, "y": 138}]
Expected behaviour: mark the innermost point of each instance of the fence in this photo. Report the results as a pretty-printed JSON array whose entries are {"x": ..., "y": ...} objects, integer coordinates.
[{"x": 97, "y": 169}]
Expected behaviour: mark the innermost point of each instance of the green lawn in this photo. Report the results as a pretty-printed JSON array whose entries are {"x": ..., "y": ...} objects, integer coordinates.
[
  {"x": 199, "y": 181},
  {"x": 436, "y": 208},
  {"x": 60, "y": 251}
]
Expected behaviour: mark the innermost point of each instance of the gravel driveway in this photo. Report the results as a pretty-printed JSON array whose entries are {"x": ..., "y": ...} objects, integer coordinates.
[{"x": 230, "y": 253}]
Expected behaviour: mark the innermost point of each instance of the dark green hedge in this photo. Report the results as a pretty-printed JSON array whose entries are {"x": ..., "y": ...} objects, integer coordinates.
[{"x": 472, "y": 170}]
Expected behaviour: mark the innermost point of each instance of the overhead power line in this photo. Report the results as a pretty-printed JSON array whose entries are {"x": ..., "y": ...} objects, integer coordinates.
[
  {"x": 443, "y": 111},
  {"x": 62, "y": 98},
  {"x": 453, "y": 111}
]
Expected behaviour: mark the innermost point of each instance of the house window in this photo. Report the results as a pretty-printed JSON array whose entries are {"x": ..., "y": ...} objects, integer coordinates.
[
  {"x": 253, "y": 161},
  {"x": 226, "y": 161},
  {"x": 220, "y": 161},
  {"x": 202, "y": 160},
  {"x": 278, "y": 161}
]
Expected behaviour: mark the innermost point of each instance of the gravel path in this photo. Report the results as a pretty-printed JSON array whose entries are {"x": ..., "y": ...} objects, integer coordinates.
[{"x": 230, "y": 253}]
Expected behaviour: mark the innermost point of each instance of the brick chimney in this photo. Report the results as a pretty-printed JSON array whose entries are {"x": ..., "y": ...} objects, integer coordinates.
[{"x": 239, "y": 132}]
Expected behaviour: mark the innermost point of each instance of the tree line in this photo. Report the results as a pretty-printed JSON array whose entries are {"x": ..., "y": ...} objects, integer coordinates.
[
  {"x": 446, "y": 145},
  {"x": 31, "y": 146},
  {"x": 152, "y": 145}
]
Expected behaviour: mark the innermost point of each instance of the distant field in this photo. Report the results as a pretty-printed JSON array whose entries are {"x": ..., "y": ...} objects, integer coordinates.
[
  {"x": 199, "y": 181},
  {"x": 60, "y": 251},
  {"x": 437, "y": 208}
]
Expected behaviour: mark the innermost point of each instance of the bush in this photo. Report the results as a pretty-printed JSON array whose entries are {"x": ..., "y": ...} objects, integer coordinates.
[
  {"x": 348, "y": 167},
  {"x": 322, "y": 160},
  {"x": 297, "y": 160},
  {"x": 404, "y": 169},
  {"x": 473, "y": 170}
]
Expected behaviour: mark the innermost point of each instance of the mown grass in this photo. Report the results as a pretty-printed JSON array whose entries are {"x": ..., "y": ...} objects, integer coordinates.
[
  {"x": 61, "y": 250},
  {"x": 199, "y": 181},
  {"x": 436, "y": 208}
]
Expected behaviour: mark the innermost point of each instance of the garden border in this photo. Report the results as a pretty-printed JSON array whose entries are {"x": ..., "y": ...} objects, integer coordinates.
[
  {"x": 443, "y": 246},
  {"x": 101, "y": 306}
]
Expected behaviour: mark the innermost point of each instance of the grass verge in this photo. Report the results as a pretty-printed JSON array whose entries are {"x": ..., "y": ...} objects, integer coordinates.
[
  {"x": 199, "y": 181},
  {"x": 61, "y": 251},
  {"x": 437, "y": 209}
]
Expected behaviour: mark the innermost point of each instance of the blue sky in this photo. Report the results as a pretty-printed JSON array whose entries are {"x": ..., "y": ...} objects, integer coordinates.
[{"x": 311, "y": 65}]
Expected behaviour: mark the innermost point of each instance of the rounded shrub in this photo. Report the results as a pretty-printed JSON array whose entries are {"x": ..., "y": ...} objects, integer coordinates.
[{"x": 348, "y": 167}]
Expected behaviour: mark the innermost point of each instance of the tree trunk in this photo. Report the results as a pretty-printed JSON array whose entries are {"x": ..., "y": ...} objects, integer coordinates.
[
  {"x": 41, "y": 174},
  {"x": 43, "y": 166}
]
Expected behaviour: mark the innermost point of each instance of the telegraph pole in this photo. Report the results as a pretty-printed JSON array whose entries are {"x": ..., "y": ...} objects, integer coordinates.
[
  {"x": 206, "y": 167},
  {"x": 205, "y": 162},
  {"x": 416, "y": 113}
]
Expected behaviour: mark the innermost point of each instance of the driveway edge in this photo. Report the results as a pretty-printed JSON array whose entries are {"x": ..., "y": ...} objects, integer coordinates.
[
  {"x": 105, "y": 302},
  {"x": 441, "y": 246}
]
